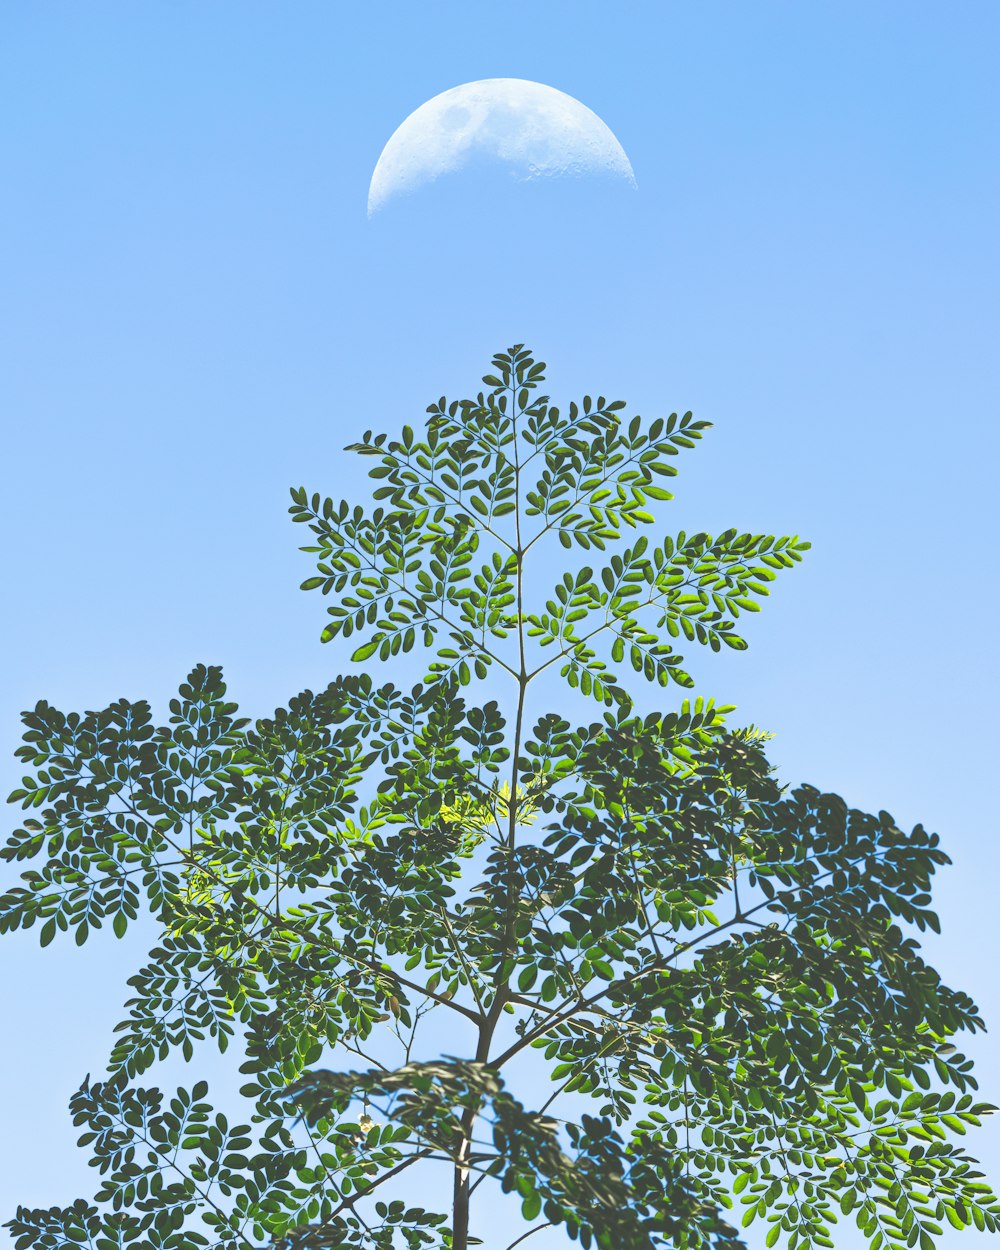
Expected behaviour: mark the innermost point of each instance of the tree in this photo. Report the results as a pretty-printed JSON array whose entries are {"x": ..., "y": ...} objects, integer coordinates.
[{"x": 718, "y": 977}]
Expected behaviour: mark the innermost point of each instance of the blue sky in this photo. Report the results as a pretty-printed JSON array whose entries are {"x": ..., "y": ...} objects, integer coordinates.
[{"x": 197, "y": 314}]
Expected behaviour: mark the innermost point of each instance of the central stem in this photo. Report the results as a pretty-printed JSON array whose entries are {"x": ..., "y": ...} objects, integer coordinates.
[
  {"x": 461, "y": 1187},
  {"x": 460, "y": 1197}
]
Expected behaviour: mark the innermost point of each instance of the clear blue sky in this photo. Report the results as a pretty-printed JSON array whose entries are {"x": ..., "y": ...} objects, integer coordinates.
[{"x": 196, "y": 314}]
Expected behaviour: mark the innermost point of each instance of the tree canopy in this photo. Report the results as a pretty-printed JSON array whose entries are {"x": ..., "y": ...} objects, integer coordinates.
[{"x": 602, "y": 961}]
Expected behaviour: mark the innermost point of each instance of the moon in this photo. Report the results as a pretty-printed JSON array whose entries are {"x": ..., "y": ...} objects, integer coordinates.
[{"x": 536, "y": 130}]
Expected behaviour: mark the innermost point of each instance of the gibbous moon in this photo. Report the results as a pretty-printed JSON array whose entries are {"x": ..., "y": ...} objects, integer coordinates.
[{"x": 536, "y": 130}]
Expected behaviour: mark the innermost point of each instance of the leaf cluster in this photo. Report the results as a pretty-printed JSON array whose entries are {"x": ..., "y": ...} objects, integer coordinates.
[{"x": 718, "y": 979}]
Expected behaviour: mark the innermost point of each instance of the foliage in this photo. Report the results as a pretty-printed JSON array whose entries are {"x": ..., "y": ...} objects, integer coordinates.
[{"x": 718, "y": 977}]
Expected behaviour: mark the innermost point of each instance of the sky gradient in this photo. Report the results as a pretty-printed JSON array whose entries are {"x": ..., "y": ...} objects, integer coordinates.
[{"x": 197, "y": 315}]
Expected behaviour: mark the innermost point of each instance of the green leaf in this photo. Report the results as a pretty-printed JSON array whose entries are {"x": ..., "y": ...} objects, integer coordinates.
[
  {"x": 954, "y": 1219},
  {"x": 531, "y": 1206}
]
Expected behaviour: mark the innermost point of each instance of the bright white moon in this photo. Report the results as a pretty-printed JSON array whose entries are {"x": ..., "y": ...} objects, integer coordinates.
[{"x": 537, "y": 130}]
